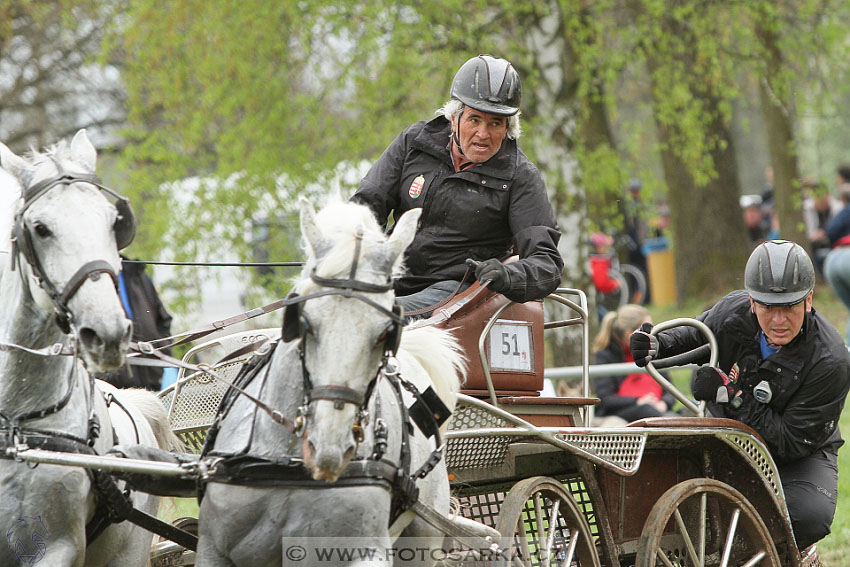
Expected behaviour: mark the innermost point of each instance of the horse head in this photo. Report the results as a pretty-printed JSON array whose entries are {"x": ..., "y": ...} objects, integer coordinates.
[
  {"x": 65, "y": 241},
  {"x": 347, "y": 324}
]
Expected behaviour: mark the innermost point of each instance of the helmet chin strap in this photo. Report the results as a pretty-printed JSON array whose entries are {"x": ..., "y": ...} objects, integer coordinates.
[{"x": 455, "y": 131}]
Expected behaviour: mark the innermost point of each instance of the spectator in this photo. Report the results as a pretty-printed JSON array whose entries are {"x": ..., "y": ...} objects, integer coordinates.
[
  {"x": 481, "y": 196},
  {"x": 757, "y": 226},
  {"x": 819, "y": 207},
  {"x": 606, "y": 285},
  {"x": 633, "y": 396},
  {"x": 782, "y": 369},
  {"x": 842, "y": 174},
  {"x": 150, "y": 321},
  {"x": 636, "y": 225},
  {"x": 836, "y": 266}
]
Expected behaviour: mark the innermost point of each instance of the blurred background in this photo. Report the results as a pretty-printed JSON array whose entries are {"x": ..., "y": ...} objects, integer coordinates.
[{"x": 685, "y": 131}]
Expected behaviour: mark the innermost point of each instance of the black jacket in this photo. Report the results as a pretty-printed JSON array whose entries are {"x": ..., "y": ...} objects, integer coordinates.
[
  {"x": 150, "y": 321},
  {"x": 478, "y": 213},
  {"x": 606, "y": 387},
  {"x": 809, "y": 377}
]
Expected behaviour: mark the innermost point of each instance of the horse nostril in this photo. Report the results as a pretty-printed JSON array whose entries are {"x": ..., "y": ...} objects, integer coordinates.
[{"x": 89, "y": 338}]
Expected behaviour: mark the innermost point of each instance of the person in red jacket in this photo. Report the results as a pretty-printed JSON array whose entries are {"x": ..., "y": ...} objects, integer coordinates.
[{"x": 629, "y": 396}]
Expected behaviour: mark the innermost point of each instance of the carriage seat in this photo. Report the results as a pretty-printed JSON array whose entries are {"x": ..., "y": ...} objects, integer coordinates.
[
  {"x": 515, "y": 360},
  {"x": 695, "y": 423}
]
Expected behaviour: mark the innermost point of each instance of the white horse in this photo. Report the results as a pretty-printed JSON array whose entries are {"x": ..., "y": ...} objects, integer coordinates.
[
  {"x": 58, "y": 267},
  {"x": 327, "y": 484}
]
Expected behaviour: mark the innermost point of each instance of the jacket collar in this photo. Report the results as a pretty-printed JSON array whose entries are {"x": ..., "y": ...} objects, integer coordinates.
[{"x": 434, "y": 137}]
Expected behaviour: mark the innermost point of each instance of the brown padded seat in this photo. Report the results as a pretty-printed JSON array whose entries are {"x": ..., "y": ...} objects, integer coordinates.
[
  {"x": 467, "y": 314},
  {"x": 695, "y": 423}
]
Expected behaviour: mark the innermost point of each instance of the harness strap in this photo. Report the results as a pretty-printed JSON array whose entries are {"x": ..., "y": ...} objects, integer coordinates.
[
  {"x": 253, "y": 471},
  {"x": 333, "y": 393},
  {"x": 91, "y": 270},
  {"x": 14, "y": 421},
  {"x": 275, "y": 415}
]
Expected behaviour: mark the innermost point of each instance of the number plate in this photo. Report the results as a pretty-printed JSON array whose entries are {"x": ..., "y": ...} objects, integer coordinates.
[{"x": 510, "y": 346}]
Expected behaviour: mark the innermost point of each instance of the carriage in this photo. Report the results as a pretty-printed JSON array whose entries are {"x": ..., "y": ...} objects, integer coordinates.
[
  {"x": 534, "y": 483},
  {"x": 547, "y": 488}
]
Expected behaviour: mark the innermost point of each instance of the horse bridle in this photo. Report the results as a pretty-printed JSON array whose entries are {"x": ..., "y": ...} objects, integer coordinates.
[
  {"x": 295, "y": 326},
  {"x": 22, "y": 242}
]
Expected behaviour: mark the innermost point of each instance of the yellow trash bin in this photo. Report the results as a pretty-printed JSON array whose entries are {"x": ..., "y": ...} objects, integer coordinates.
[{"x": 662, "y": 272}]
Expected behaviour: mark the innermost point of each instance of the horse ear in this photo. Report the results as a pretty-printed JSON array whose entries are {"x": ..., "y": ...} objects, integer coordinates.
[
  {"x": 310, "y": 227},
  {"x": 403, "y": 232},
  {"x": 13, "y": 164},
  {"x": 82, "y": 151}
]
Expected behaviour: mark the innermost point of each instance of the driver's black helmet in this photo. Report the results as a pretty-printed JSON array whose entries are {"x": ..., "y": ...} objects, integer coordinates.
[
  {"x": 779, "y": 272},
  {"x": 489, "y": 84}
]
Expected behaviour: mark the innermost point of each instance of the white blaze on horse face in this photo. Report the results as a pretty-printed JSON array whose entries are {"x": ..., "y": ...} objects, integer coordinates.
[{"x": 344, "y": 350}]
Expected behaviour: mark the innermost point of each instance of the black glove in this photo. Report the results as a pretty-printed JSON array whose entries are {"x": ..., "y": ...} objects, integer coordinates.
[
  {"x": 713, "y": 385},
  {"x": 643, "y": 346},
  {"x": 494, "y": 271}
]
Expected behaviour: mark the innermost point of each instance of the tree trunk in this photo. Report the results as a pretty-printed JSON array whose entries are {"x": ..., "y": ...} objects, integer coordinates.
[
  {"x": 780, "y": 141},
  {"x": 711, "y": 241},
  {"x": 553, "y": 140}
]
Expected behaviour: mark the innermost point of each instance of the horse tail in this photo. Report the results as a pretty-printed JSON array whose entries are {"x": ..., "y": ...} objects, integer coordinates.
[
  {"x": 150, "y": 406},
  {"x": 440, "y": 355}
]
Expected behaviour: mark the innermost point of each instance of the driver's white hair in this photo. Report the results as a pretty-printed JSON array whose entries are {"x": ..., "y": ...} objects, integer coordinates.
[{"x": 454, "y": 108}]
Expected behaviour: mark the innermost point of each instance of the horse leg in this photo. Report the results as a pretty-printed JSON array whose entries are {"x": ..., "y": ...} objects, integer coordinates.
[{"x": 208, "y": 556}]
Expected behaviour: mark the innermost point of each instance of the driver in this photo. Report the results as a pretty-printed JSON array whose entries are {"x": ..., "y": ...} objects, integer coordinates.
[
  {"x": 480, "y": 195},
  {"x": 783, "y": 369}
]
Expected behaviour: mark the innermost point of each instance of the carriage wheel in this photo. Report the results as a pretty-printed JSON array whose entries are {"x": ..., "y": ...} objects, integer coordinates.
[
  {"x": 541, "y": 524},
  {"x": 165, "y": 553},
  {"x": 705, "y": 523}
]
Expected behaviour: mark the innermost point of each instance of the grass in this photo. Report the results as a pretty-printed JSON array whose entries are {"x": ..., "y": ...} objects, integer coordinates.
[{"x": 833, "y": 548}]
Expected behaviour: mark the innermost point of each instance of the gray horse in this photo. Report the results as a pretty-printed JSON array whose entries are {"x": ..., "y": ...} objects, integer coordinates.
[
  {"x": 311, "y": 474},
  {"x": 58, "y": 264}
]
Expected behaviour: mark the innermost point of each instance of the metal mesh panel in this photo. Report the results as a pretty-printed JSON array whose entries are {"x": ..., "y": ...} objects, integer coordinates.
[
  {"x": 575, "y": 486},
  {"x": 479, "y": 451},
  {"x": 197, "y": 402},
  {"x": 624, "y": 450},
  {"x": 476, "y": 452},
  {"x": 482, "y": 508},
  {"x": 760, "y": 460},
  {"x": 473, "y": 417}
]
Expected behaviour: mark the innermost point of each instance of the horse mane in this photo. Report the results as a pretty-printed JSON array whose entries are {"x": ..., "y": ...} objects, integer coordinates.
[
  {"x": 342, "y": 224},
  {"x": 440, "y": 355}
]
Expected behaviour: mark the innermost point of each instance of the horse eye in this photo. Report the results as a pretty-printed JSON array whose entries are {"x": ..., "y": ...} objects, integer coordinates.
[{"x": 41, "y": 230}]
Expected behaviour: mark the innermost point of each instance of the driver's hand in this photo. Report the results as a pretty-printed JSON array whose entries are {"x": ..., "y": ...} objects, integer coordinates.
[
  {"x": 643, "y": 346},
  {"x": 495, "y": 272}
]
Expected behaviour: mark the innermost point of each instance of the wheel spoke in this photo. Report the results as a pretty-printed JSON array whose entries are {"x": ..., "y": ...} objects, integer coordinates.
[
  {"x": 730, "y": 537},
  {"x": 755, "y": 560},
  {"x": 552, "y": 528},
  {"x": 571, "y": 550},
  {"x": 702, "y": 519},
  {"x": 687, "y": 537},
  {"x": 663, "y": 558}
]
